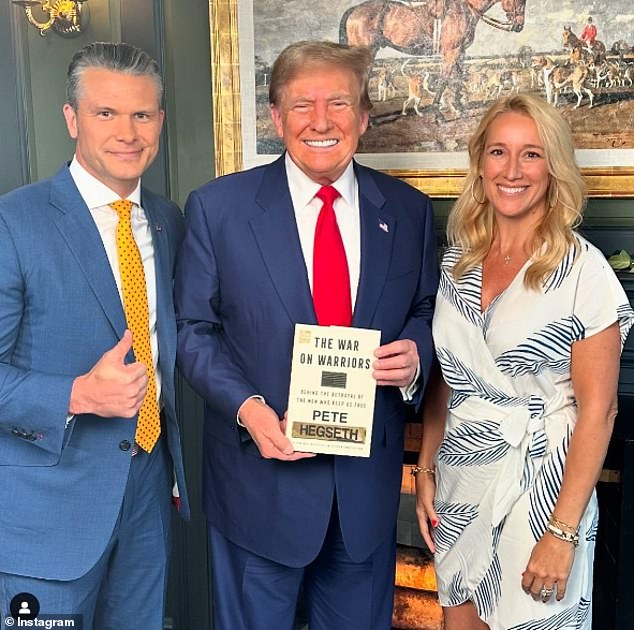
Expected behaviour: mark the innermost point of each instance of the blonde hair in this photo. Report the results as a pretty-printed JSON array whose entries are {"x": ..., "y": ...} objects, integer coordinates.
[
  {"x": 298, "y": 56},
  {"x": 471, "y": 224}
]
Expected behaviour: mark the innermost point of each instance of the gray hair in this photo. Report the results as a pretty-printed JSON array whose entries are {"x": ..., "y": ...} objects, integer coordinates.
[{"x": 118, "y": 57}]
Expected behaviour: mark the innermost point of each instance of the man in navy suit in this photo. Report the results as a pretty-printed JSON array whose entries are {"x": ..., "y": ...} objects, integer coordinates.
[
  {"x": 247, "y": 273},
  {"x": 85, "y": 516}
]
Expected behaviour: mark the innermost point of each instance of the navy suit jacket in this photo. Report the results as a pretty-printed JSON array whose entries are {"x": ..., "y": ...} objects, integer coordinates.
[
  {"x": 241, "y": 285},
  {"x": 61, "y": 487}
]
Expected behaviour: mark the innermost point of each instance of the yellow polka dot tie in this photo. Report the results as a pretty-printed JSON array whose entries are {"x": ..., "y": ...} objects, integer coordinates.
[{"x": 138, "y": 317}]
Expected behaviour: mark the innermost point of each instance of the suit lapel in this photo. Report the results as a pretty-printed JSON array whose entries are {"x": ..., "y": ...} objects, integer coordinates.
[
  {"x": 78, "y": 229},
  {"x": 377, "y": 234},
  {"x": 159, "y": 226},
  {"x": 275, "y": 230}
]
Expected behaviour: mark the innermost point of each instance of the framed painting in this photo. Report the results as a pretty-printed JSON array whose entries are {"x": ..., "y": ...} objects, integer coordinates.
[{"x": 437, "y": 66}]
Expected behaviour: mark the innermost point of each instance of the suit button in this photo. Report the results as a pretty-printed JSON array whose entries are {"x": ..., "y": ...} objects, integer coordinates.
[{"x": 125, "y": 445}]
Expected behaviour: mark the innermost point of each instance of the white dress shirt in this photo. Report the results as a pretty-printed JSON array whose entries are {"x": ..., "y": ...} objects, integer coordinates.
[
  {"x": 97, "y": 196},
  {"x": 307, "y": 208}
]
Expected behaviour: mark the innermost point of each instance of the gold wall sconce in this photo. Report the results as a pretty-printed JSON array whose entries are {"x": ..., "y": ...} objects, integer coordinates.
[{"x": 67, "y": 18}]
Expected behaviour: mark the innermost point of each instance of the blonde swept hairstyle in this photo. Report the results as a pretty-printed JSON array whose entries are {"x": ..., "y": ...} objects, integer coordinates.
[
  {"x": 471, "y": 224},
  {"x": 295, "y": 58}
]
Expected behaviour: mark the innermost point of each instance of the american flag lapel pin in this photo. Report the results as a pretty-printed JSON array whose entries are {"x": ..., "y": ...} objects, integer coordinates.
[{"x": 383, "y": 226}]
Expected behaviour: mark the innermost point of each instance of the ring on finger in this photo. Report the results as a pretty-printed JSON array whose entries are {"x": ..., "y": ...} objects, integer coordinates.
[{"x": 545, "y": 592}]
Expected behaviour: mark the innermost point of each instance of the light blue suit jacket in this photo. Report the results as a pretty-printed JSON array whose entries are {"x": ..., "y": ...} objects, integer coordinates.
[
  {"x": 241, "y": 285},
  {"x": 61, "y": 487}
]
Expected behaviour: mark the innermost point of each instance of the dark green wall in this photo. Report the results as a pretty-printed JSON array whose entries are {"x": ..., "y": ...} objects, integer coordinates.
[{"x": 188, "y": 94}]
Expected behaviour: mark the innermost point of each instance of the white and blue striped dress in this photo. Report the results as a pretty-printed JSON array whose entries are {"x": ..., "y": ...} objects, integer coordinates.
[{"x": 510, "y": 417}]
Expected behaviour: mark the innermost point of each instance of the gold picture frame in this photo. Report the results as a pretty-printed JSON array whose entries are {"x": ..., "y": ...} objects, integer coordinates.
[{"x": 607, "y": 182}]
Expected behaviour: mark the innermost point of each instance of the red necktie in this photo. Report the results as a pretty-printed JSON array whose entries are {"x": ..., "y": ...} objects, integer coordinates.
[{"x": 331, "y": 279}]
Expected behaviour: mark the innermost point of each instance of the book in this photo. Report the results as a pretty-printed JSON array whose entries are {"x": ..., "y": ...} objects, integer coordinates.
[{"x": 332, "y": 391}]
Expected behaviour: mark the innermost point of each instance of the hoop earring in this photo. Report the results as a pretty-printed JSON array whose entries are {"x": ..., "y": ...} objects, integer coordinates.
[
  {"x": 551, "y": 203},
  {"x": 480, "y": 203}
]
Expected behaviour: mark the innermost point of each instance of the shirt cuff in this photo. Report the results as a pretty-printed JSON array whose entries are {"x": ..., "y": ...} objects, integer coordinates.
[{"x": 409, "y": 391}]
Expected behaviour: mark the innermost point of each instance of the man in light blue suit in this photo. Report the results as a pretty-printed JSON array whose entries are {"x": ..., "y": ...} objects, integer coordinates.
[
  {"x": 248, "y": 271},
  {"x": 85, "y": 512}
]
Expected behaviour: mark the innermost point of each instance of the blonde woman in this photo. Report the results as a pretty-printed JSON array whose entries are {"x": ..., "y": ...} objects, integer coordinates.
[{"x": 529, "y": 326}]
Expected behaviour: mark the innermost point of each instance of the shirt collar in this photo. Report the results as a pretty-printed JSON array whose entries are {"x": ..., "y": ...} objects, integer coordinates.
[
  {"x": 94, "y": 192},
  {"x": 303, "y": 189}
]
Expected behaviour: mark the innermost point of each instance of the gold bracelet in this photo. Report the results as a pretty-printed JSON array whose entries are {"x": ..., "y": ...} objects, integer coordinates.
[
  {"x": 559, "y": 523},
  {"x": 562, "y": 535},
  {"x": 419, "y": 469}
]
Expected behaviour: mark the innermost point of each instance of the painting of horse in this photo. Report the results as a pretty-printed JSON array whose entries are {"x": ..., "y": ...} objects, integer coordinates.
[
  {"x": 444, "y": 27},
  {"x": 438, "y": 64},
  {"x": 594, "y": 52}
]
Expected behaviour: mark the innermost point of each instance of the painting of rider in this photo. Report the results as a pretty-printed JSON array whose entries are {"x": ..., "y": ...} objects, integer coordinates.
[{"x": 589, "y": 33}]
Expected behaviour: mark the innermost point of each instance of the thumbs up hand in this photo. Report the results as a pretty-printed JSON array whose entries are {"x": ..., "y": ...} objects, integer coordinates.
[{"x": 111, "y": 388}]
